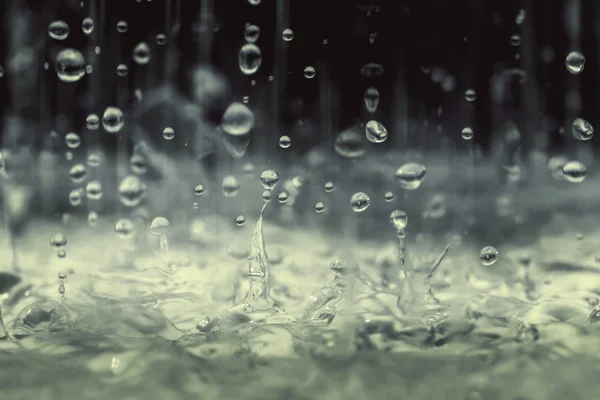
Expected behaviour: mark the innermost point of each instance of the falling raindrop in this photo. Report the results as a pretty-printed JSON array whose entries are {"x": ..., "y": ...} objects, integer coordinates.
[
  {"x": 319, "y": 207},
  {"x": 92, "y": 122},
  {"x": 237, "y": 120},
  {"x": 329, "y": 187},
  {"x": 250, "y": 58},
  {"x": 575, "y": 62},
  {"x": 138, "y": 164},
  {"x": 254, "y": 2},
  {"x": 252, "y": 33},
  {"x": 72, "y": 140},
  {"x": 376, "y": 132},
  {"x": 113, "y": 119},
  {"x": 488, "y": 255},
  {"x": 240, "y": 220},
  {"x": 59, "y": 30},
  {"x": 282, "y": 197},
  {"x": 124, "y": 228},
  {"x": 388, "y": 197},
  {"x": 230, "y": 186},
  {"x": 467, "y": 133},
  {"x": 288, "y": 35},
  {"x": 350, "y": 144},
  {"x": 285, "y": 142},
  {"x": 141, "y": 53},
  {"x": 122, "y": 70},
  {"x": 70, "y": 65},
  {"x": 410, "y": 175},
  {"x": 371, "y": 99},
  {"x": 309, "y": 72},
  {"x": 470, "y": 95},
  {"x": 58, "y": 240},
  {"x": 266, "y": 195},
  {"x": 269, "y": 179},
  {"x": 77, "y": 173},
  {"x": 168, "y": 133},
  {"x": 161, "y": 39},
  {"x": 122, "y": 26},
  {"x": 75, "y": 197},
  {"x": 94, "y": 160},
  {"x": 515, "y": 40},
  {"x": 360, "y": 202},
  {"x": 371, "y": 70},
  {"x": 93, "y": 218},
  {"x": 87, "y": 25},
  {"x": 93, "y": 190},
  {"x": 582, "y": 130},
  {"x": 132, "y": 191},
  {"x": 574, "y": 171},
  {"x": 520, "y": 17},
  {"x": 398, "y": 220}
]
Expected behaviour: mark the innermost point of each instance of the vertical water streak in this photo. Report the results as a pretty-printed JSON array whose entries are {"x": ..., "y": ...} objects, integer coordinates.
[{"x": 258, "y": 297}]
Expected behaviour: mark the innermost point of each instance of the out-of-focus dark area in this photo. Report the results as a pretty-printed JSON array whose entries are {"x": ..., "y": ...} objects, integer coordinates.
[{"x": 431, "y": 52}]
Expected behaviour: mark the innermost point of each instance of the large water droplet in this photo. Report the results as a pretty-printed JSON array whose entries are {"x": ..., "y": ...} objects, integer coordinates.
[
  {"x": 360, "y": 202},
  {"x": 87, "y": 25},
  {"x": 59, "y": 30},
  {"x": 582, "y": 130},
  {"x": 250, "y": 58},
  {"x": 69, "y": 65},
  {"x": 141, "y": 53},
  {"x": 132, "y": 191},
  {"x": 269, "y": 179},
  {"x": 230, "y": 186},
  {"x": 575, "y": 62},
  {"x": 113, "y": 119},
  {"x": 376, "y": 132},
  {"x": 238, "y": 119},
  {"x": 350, "y": 144},
  {"x": 93, "y": 190},
  {"x": 371, "y": 98},
  {"x": 574, "y": 171},
  {"x": 488, "y": 255},
  {"x": 159, "y": 225},
  {"x": 410, "y": 175},
  {"x": 252, "y": 33},
  {"x": 285, "y": 142},
  {"x": 77, "y": 173},
  {"x": 288, "y": 35}
]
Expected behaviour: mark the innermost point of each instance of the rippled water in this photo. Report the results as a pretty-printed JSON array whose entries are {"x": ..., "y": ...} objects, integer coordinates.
[{"x": 344, "y": 316}]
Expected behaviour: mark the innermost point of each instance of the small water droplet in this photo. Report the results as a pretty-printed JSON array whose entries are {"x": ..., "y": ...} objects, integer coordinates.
[
  {"x": 371, "y": 70},
  {"x": 574, "y": 171},
  {"x": 410, "y": 175},
  {"x": 113, "y": 119},
  {"x": 309, "y": 72},
  {"x": 138, "y": 164},
  {"x": 515, "y": 40},
  {"x": 254, "y": 2},
  {"x": 72, "y": 140},
  {"x": 398, "y": 220},
  {"x": 376, "y": 132},
  {"x": 467, "y": 133},
  {"x": 58, "y": 240},
  {"x": 97, "y": 50},
  {"x": 132, "y": 191},
  {"x": 62, "y": 253},
  {"x": 159, "y": 225},
  {"x": 124, "y": 228},
  {"x": 488, "y": 255},
  {"x": 77, "y": 173},
  {"x": 388, "y": 196},
  {"x": 575, "y": 62},
  {"x": 520, "y": 17},
  {"x": 75, "y": 197},
  {"x": 92, "y": 218},
  {"x": 360, "y": 202},
  {"x": 141, "y": 53},
  {"x": 87, "y": 25},
  {"x": 92, "y": 122},
  {"x": 329, "y": 187},
  {"x": 582, "y": 130},
  {"x": 470, "y": 95},
  {"x": 94, "y": 160},
  {"x": 168, "y": 133},
  {"x": 122, "y": 26},
  {"x": 319, "y": 207},
  {"x": 59, "y": 30},
  {"x": 161, "y": 39},
  {"x": 269, "y": 179},
  {"x": 199, "y": 190},
  {"x": 69, "y": 65},
  {"x": 230, "y": 186},
  {"x": 237, "y": 120},
  {"x": 62, "y": 275},
  {"x": 266, "y": 195},
  {"x": 371, "y": 98},
  {"x": 122, "y": 70},
  {"x": 288, "y": 35},
  {"x": 240, "y": 220},
  {"x": 249, "y": 58},
  {"x": 93, "y": 190},
  {"x": 252, "y": 33},
  {"x": 285, "y": 142},
  {"x": 350, "y": 144},
  {"x": 282, "y": 197}
]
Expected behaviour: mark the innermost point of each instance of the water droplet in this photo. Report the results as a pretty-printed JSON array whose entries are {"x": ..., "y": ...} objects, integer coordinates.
[
  {"x": 161, "y": 39},
  {"x": 92, "y": 218},
  {"x": 2, "y": 71},
  {"x": 168, "y": 133},
  {"x": 288, "y": 35},
  {"x": 113, "y": 119},
  {"x": 237, "y": 120},
  {"x": 69, "y": 65},
  {"x": 94, "y": 160},
  {"x": 388, "y": 197},
  {"x": 470, "y": 95},
  {"x": 436, "y": 208},
  {"x": 371, "y": 70},
  {"x": 124, "y": 228},
  {"x": 266, "y": 195},
  {"x": 360, "y": 202},
  {"x": 329, "y": 187},
  {"x": 122, "y": 70},
  {"x": 248, "y": 169},
  {"x": 410, "y": 175},
  {"x": 75, "y": 197},
  {"x": 252, "y": 33},
  {"x": 93, "y": 190},
  {"x": 269, "y": 179},
  {"x": 138, "y": 164},
  {"x": 97, "y": 50},
  {"x": 467, "y": 133},
  {"x": 72, "y": 140},
  {"x": 230, "y": 186},
  {"x": 372, "y": 37},
  {"x": 62, "y": 253},
  {"x": 319, "y": 207},
  {"x": 376, "y": 132},
  {"x": 61, "y": 288},
  {"x": 582, "y": 130},
  {"x": 88, "y": 69},
  {"x": 141, "y": 53},
  {"x": 59, "y": 30},
  {"x": 250, "y": 58},
  {"x": 574, "y": 171},
  {"x": 575, "y": 62},
  {"x": 77, "y": 173},
  {"x": 254, "y": 2},
  {"x": 488, "y": 255},
  {"x": 87, "y": 25},
  {"x": 122, "y": 26},
  {"x": 371, "y": 99},
  {"x": 158, "y": 225},
  {"x": 62, "y": 275},
  {"x": 520, "y": 17},
  {"x": 282, "y": 197},
  {"x": 350, "y": 144},
  {"x": 58, "y": 240},
  {"x": 398, "y": 220},
  {"x": 132, "y": 191},
  {"x": 199, "y": 190},
  {"x": 285, "y": 142},
  {"x": 240, "y": 220},
  {"x": 515, "y": 40},
  {"x": 309, "y": 72},
  {"x": 92, "y": 122}
]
